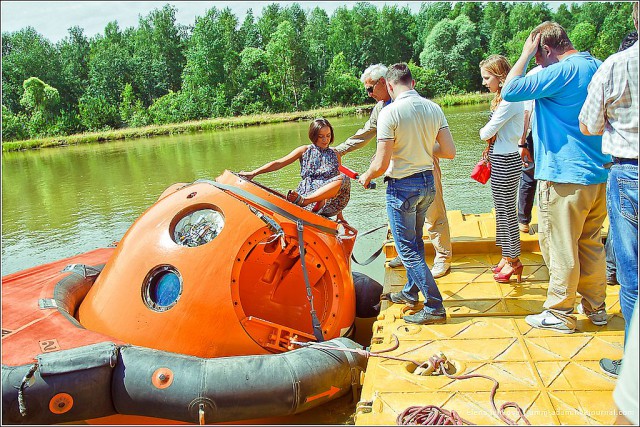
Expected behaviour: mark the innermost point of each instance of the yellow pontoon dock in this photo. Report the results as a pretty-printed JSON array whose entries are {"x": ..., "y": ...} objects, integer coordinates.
[{"x": 555, "y": 378}]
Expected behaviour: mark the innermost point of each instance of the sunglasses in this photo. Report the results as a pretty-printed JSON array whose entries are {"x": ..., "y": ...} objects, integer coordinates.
[{"x": 371, "y": 88}]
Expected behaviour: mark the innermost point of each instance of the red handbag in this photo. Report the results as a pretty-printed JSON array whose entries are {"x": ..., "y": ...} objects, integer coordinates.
[{"x": 482, "y": 171}]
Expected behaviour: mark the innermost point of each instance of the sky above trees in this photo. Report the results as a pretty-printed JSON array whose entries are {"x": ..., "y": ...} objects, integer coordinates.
[{"x": 52, "y": 19}]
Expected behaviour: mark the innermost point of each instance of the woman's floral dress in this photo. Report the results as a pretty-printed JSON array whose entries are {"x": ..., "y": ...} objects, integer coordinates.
[{"x": 317, "y": 168}]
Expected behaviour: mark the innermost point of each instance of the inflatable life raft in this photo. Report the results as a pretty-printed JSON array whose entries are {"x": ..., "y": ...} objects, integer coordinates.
[{"x": 196, "y": 315}]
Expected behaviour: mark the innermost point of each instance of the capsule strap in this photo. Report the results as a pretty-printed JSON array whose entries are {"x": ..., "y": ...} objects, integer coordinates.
[
  {"x": 317, "y": 327},
  {"x": 239, "y": 192}
]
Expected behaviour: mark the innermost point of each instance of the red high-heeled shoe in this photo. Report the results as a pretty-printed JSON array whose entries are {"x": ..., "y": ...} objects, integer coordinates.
[
  {"x": 496, "y": 268},
  {"x": 506, "y": 277}
]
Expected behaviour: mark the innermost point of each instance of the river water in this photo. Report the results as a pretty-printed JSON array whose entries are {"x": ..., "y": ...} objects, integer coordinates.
[{"x": 60, "y": 202}]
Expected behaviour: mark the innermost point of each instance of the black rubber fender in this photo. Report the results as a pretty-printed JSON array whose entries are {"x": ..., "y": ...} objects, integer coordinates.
[{"x": 368, "y": 293}]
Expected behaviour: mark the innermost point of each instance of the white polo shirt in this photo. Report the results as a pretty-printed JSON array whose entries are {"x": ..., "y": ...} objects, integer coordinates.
[{"x": 413, "y": 122}]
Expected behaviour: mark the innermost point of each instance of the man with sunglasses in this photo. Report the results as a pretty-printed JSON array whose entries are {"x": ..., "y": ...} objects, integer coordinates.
[
  {"x": 437, "y": 223},
  {"x": 375, "y": 85}
]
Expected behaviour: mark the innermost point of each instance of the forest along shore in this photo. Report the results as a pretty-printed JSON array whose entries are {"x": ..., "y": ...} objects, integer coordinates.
[{"x": 218, "y": 123}]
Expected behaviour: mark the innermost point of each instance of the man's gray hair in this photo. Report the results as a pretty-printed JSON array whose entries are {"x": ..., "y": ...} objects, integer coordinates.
[{"x": 374, "y": 72}]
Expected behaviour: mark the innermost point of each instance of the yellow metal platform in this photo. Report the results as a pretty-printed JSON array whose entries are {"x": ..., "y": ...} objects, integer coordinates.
[{"x": 555, "y": 378}]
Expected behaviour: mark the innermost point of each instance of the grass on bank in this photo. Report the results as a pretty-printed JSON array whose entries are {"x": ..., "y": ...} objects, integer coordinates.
[{"x": 216, "y": 123}]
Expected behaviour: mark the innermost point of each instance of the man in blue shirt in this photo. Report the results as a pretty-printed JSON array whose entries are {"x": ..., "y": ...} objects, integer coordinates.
[{"x": 571, "y": 173}]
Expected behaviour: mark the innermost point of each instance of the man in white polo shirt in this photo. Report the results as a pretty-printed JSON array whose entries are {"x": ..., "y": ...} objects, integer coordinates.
[
  {"x": 411, "y": 131},
  {"x": 436, "y": 219}
]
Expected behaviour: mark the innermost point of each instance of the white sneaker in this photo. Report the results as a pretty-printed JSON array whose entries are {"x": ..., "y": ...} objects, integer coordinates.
[
  {"x": 440, "y": 269},
  {"x": 548, "y": 320},
  {"x": 598, "y": 317}
]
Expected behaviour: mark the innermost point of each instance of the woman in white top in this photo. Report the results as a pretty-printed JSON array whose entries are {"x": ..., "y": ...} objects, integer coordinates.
[{"x": 503, "y": 133}]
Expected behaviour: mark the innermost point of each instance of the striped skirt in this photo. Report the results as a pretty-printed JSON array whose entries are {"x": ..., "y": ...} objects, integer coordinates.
[{"x": 505, "y": 176}]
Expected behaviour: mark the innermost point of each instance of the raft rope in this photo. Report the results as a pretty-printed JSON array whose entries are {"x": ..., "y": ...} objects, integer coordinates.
[
  {"x": 432, "y": 414},
  {"x": 22, "y": 406}
]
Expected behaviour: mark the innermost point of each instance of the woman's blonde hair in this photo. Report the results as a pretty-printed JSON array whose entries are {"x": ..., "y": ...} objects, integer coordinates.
[{"x": 499, "y": 67}]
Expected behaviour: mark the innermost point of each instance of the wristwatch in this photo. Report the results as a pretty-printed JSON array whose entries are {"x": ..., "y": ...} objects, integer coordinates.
[{"x": 522, "y": 146}]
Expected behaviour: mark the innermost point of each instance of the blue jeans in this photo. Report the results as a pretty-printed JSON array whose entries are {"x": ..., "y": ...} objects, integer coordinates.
[
  {"x": 527, "y": 191},
  {"x": 622, "y": 207},
  {"x": 611, "y": 258},
  {"x": 407, "y": 202}
]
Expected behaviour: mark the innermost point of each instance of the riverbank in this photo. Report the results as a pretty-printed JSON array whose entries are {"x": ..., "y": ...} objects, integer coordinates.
[{"x": 218, "y": 123}]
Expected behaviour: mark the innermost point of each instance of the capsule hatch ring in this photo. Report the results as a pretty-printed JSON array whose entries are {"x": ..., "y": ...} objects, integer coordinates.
[{"x": 161, "y": 288}]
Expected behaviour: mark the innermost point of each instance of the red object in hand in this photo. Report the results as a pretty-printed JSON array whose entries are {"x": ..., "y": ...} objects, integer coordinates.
[
  {"x": 482, "y": 171},
  {"x": 349, "y": 172},
  {"x": 354, "y": 175}
]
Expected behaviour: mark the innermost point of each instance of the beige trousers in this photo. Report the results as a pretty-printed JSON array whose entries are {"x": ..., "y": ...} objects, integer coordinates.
[
  {"x": 570, "y": 220},
  {"x": 436, "y": 220}
]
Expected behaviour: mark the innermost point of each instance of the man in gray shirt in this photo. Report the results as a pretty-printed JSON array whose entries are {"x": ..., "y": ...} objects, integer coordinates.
[{"x": 436, "y": 220}]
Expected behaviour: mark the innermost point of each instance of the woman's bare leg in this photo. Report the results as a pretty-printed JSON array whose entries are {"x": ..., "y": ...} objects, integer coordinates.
[{"x": 325, "y": 192}]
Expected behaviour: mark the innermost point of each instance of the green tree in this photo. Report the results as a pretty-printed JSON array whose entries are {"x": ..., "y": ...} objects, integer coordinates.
[
  {"x": 110, "y": 67},
  {"x": 453, "y": 47},
  {"x": 42, "y": 104},
  {"x": 429, "y": 83},
  {"x": 158, "y": 54},
  {"x": 97, "y": 113},
  {"x": 268, "y": 22},
  {"x": 316, "y": 35},
  {"x": 473, "y": 10},
  {"x": 500, "y": 37},
  {"x": 212, "y": 57},
  {"x": 74, "y": 51},
  {"x": 296, "y": 16},
  {"x": 26, "y": 53},
  {"x": 74, "y": 57},
  {"x": 342, "y": 36},
  {"x": 594, "y": 12},
  {"x": 248, "y": 35},
  {"x": 397, "y": 27},
  {"x": 132, "y": 112},
  {"x": 494, "y": 24},
  {"x": 367, "y": 36},
  {"x": 285, "y": 74},
  {"x": 13, "y": 125},
  {"x": 342, "y": 87},
  {"x": 514, "y": 47},
  {"x": 615, "y": 27},
  {"x": 527, "y": 15},
  {"x": 428, "y": 16},
  {"x": 565, "y": 17},
  {"x": 254, "y": 97},
  {"x": 583, "y": 36}
]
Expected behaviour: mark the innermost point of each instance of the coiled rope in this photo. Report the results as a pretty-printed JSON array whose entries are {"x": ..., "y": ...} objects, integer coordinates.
[
  {"x": 434, "y": 415},
  {"x": 431, "y": 414}
]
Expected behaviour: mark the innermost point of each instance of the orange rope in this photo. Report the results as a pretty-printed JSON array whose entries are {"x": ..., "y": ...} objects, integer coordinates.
[{"x": 434, "y": 415}]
